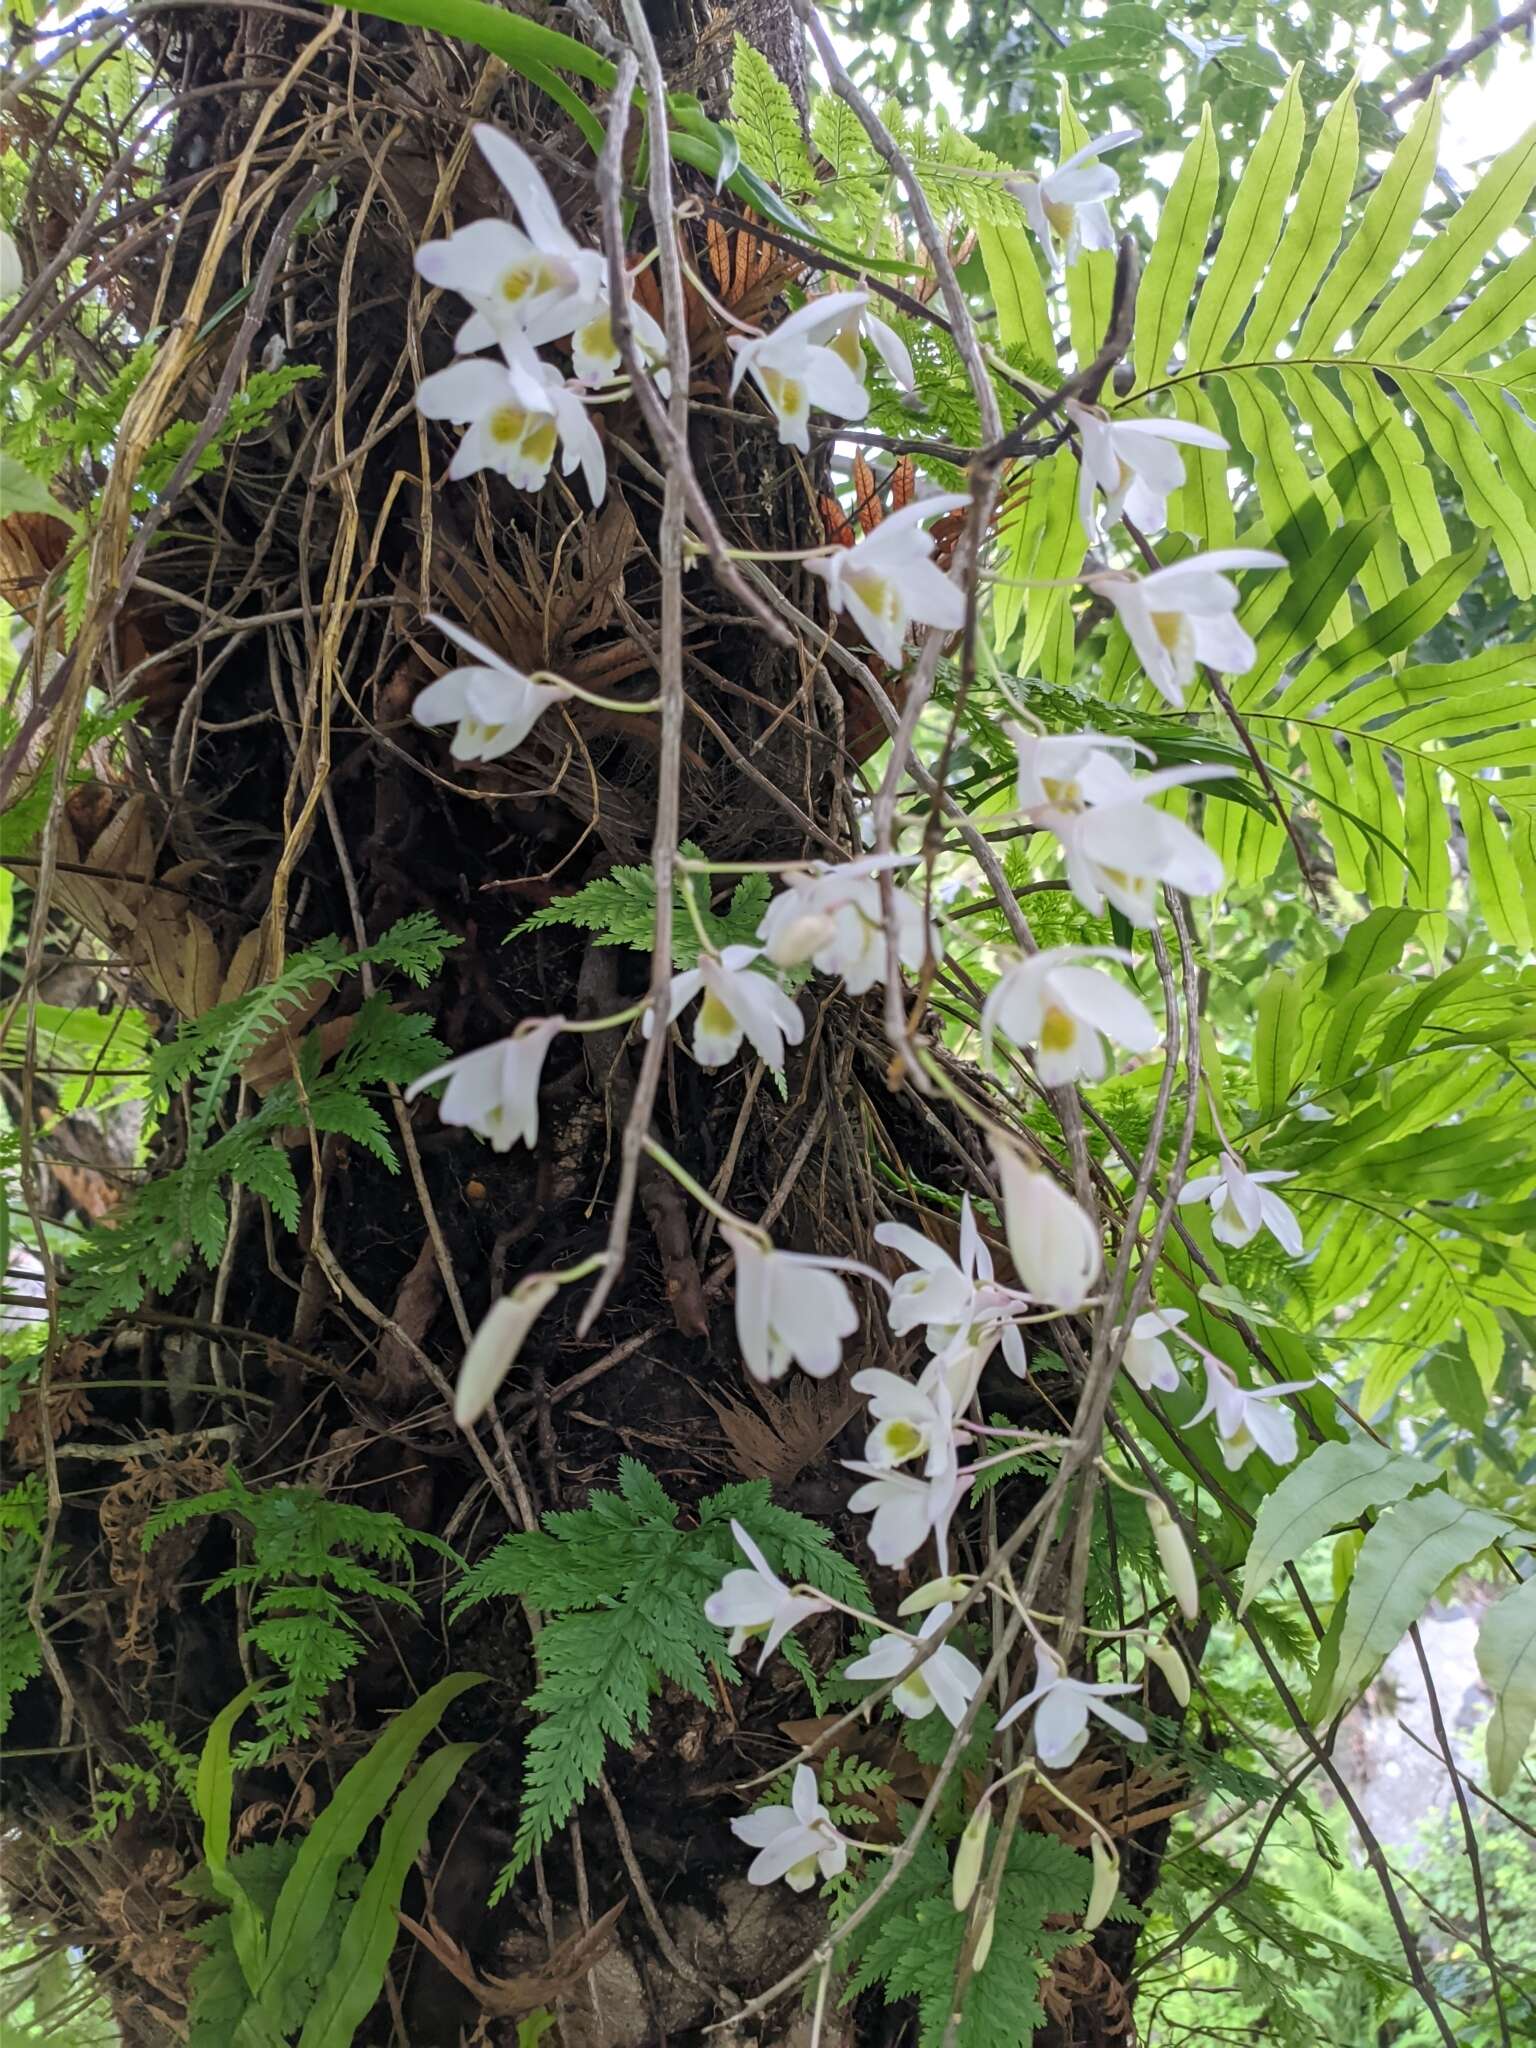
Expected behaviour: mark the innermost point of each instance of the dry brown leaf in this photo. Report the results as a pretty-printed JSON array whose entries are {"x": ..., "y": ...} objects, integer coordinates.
[
  {"x": 791, "y": 1430},
  {"x": 510, "y": 1997}
]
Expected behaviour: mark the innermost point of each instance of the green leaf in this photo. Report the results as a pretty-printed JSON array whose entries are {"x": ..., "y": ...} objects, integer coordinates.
[
  {"x": 213, "y": 1798},
  {"x": 1018, "y": 290},
  {"x": 1376, "y": 247},
  {"x": 1424, "y": 290},
  {"x": 1335, "y": 1485},
  {"x": 1506, "y": 1659},
  {"x": 1408, "y": 1555},
  {"x": 349, "y": 1991},
  {"x": 358, "y": 1801},
  {"x": 21, "y": 491},
  {"x": 1168, "y": 283},
  {"x": 767, "y": 123},
  {"x": 1312, "y": 231},
  {"x": 1276, "y": 1035},
  {"x": 1251, "y": 229}
]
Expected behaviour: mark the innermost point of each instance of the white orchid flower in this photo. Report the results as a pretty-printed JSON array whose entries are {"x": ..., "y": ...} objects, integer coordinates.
[
  {"x": 790, "y": 1306},
  {"x": 1054, "y": 1243},
  {"x": 1066, "y": 207},
  {"x": 491, "y": 705},
  {"x": 959, "y": 1366},
  {"x": 963, "y": 1312},
  {"x": 939, "y": 1293},
  {"x": 946, "y": 1680},
  {"x": 529, "y": 284},
  {"x": 1146, "y": 1358},
  {"x": 1060, "y": 775},
  {"x": 795, "y": 1841},
  {"x": 1244, "y": 1419},
  {"x": 495, "y": 1345},
  {"x": 495, "y": 1089},
  {"x": 1186, "y": 614},
  {"x": 831, "y": 916},
  {"x": 738, "y": 1003},
  {"x": 846, "y": 330},
  {"x": 1066, "y": 1011},
  {"x": 1120, "y": 852},
  {"x": 1242, "y": 1205},
  {"x": 1062, "y": 1706},
  {"x": 911, "y": 1421},
  {"x": 1135, "y": 463},
  {"x": 595, "y": 357},
  {"x": 889, "y": 580},
  {"x": 758, "y": 1603},
  {"x": 795, "y": 369},
  {"x": 517, "y": 412},
  {"x": 13, "y": 277},
  {"x": 906, "y": 1510}
]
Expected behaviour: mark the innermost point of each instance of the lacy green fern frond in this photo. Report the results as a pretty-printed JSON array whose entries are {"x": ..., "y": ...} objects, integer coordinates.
[
  {"x": 620, "y": 910},
  {"x": 767, "y": 124},
  {"x": 622, "y": 1587},
  {"x": 185, "y": 1213},
  {"x": 21, "y": 1530},
  {"x": 300, "y": 1580},
  {"x": 910, "y": 1945}
]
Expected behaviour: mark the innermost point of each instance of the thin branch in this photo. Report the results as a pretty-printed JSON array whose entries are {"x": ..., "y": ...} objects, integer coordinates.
[{"x": 1457, "y": 60}]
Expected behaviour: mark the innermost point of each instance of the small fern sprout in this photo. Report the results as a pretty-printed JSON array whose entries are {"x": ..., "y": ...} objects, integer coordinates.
[
  {"x": 946, "y": 1679},
  {"x": 758, "y": 1603},
  {"x": 795, "y": 1842},
  {"x": 495, "y": 1089}
]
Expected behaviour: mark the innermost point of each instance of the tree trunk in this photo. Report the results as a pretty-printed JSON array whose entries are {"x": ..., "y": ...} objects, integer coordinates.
[{"x": 280, "y": 639}]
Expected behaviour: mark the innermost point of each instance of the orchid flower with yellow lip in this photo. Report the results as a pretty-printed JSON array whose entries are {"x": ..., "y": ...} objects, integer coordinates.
[
  {"x": 1066, "y": 1010},
  {"x": 888, "y": 581}
]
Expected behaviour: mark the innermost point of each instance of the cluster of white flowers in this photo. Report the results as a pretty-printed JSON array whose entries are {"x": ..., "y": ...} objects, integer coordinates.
[
  {"x": 533, "y": 286},
  {"x": 527, "y": 287}
]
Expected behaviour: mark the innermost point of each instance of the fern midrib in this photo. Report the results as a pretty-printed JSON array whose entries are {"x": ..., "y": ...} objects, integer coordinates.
[{"x": 1390, "y": 366}]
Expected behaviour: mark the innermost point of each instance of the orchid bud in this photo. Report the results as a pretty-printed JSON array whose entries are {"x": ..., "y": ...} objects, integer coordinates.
[
  {"x": 984, "y": 1942},
  {"x": 12, "y": 277},
  {"x": 1106, "y": 1883},
  {"x": 973, "y": 1842},
  {"x": 801, "y": 939},
  {"x": 1173, "y": 1668},
  {"x": 931, "y": 1595},
  {"x": 1053, "y": 1242},
  {"x": 1178, "y": 1565},
  {"x": 495, "y": 1345}
]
